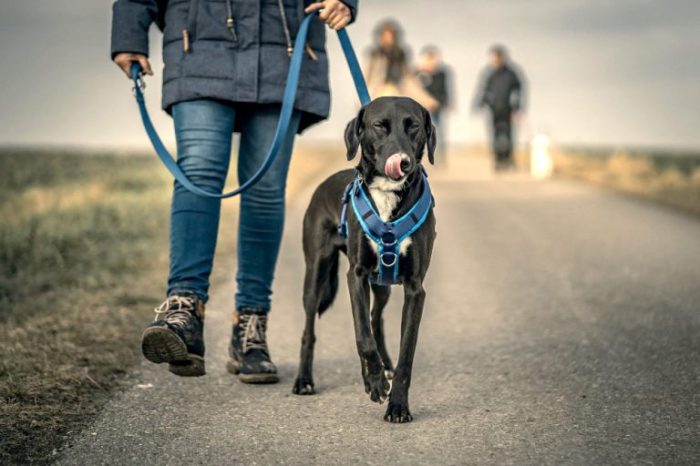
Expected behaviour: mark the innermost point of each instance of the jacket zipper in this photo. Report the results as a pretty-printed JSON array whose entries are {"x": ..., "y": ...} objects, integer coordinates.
[
  {"x": 230, "y": 21},
  {"x": 288, "y": 35}
]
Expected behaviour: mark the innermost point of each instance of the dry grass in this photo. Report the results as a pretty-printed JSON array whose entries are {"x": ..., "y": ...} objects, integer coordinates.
[
  {"x": 79, "y": 263},
  {"x": 672, "y": 179},
  {"x": 83, "y": 260}
]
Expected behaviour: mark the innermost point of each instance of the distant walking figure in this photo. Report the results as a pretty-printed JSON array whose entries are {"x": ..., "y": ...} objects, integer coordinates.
[
  {"x": 435, "y": 78},
  {"x": 502, "y": 92},
  {"x": 388, "y": 70}
]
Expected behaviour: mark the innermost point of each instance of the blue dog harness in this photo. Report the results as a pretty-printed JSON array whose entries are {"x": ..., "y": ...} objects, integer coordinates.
[{"x": 387, "y": 236}]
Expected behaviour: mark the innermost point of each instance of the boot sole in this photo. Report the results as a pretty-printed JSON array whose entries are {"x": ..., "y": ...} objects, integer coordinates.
[
  {"x": 161, "y": 345},
  {"x": 233, "y": 367}
]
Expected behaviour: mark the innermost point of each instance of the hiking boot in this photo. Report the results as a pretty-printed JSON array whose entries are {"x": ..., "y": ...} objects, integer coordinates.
[
  {"x": 176, "y": 336},
  {"x": 249, "y": 355}
]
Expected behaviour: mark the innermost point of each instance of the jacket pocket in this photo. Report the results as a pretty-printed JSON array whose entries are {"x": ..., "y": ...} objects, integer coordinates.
[
  {"x": 217, "y": 21},
  {"x": 274, "y": 30}
]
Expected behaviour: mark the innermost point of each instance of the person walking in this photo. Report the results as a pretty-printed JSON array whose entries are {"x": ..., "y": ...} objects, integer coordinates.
[
  {"x": 226, "y": 64},
  {"x": 388, "y": 69},
  {"x": 502, "y": 92},
  {"x": 435, "y": 78}
]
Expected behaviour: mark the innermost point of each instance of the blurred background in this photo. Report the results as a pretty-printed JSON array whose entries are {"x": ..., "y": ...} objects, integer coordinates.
[{"x": 601, "y": 72}]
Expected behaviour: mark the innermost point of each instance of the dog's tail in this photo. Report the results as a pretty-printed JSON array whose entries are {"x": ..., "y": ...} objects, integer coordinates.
[{"x": 330, "y": 287}]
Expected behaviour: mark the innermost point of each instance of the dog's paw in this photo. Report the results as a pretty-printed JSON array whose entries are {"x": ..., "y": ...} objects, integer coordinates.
[
  {"x": 397, "y": 413},
  {"x": 303, "y": 386},
  {"x": 377, "y": 386}
]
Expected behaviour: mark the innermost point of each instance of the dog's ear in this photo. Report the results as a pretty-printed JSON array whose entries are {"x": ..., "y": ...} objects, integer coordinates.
[
  {"x": 430, "y": 136},
  {"x": 352, "y": 135}
]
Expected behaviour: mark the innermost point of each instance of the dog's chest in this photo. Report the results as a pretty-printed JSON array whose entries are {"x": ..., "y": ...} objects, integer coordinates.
[{"x": 386, "y": 199}]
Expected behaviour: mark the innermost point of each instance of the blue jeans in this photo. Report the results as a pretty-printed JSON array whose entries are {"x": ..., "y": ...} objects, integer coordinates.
[{"x": 203, "y": 129}]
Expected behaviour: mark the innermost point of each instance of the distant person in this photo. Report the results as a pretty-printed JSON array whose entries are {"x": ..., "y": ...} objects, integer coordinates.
[
  {"x": 435, "y": 78},
  {"x": 388, "y": 68},
  {"x": 502, "y": 92},
  {"x": 223, "y": 62}
]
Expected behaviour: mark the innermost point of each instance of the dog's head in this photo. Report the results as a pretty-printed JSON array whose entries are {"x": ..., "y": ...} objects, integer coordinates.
[{"x": 392, "y": 133}]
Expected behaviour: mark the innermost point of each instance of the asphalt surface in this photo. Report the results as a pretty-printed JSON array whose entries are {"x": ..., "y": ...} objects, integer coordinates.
[{"x": 562, "y": 326}]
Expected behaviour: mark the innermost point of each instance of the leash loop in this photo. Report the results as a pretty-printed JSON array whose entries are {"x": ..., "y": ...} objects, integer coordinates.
[{"x": 283, "y": 125}]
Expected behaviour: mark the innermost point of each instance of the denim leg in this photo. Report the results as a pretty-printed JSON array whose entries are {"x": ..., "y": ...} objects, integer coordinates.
[
  {"x": 203, "y": 129},
  {"x": 262, "y": 206}
]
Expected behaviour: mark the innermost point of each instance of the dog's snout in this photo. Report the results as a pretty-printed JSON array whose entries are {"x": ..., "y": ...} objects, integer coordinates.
[{"x": 397, "y": 166}]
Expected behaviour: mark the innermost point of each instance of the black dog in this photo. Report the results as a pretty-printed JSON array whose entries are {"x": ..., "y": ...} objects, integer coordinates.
[{"x": 393, "y": 133}]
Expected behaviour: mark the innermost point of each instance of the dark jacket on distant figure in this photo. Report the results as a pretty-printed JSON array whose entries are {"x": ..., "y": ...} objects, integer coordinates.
[
  {"x": 437, "y": 85},
  {"x": 245, "y": 63},
  {"x": 502, "y": 91}
]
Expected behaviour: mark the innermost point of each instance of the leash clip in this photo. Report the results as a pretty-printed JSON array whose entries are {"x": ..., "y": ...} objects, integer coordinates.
[
  {"x": 358, "y": 185},
  {"x": 140, "y": 84}
]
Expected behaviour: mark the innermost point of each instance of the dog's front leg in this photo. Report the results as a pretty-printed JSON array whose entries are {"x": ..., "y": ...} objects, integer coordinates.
[
  {"x": 414, "y": 298},
  {"x": 376, "y": 383}
]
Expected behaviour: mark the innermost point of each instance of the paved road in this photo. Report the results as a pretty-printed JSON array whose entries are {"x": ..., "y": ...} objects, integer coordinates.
[{"x": 562, "y": 326}]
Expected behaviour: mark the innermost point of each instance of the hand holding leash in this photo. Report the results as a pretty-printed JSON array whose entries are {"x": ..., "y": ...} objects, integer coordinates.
[
  {"x": 125, "y": 59},
  {"x": 334, "y": 13}
]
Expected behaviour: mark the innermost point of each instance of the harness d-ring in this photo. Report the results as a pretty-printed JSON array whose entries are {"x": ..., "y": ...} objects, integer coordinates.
[
  {"x": 390, "y": 264},
  {"x": 389, "y": 239}
]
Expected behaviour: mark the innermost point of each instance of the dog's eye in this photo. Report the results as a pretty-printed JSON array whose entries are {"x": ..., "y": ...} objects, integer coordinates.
[
  {"x": 380, "y": 125},
  {"x": 411, "y": 126}
]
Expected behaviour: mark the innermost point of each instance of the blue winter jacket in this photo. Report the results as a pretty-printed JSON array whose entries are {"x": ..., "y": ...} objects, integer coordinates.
[{"x": 243, "y": 59}]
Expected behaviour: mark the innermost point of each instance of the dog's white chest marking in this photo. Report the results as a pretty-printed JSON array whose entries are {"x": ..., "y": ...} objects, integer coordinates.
[{"x": 385, "y": 197}]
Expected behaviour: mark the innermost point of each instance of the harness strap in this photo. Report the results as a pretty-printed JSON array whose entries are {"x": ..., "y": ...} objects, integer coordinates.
[
  {"x": 282, "y": 130},
  {"x": 343, "y": 226},
  {"x": 387, "y": 236}
]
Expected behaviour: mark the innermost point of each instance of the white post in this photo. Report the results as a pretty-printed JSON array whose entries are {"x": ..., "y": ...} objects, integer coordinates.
[{"x": 541, "y": 165}]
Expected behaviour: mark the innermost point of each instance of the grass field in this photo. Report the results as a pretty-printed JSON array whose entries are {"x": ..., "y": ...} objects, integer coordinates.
[
  {"x": 81, "y": 258},
  {"x": 83, "y": 261},
  {"x": 666, "y": 177}
]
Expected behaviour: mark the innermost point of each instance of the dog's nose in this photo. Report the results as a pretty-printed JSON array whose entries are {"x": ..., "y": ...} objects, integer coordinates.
[{"x": 405, "y": 163}]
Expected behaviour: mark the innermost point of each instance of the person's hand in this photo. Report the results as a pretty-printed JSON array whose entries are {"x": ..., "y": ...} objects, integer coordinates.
[
  {"x": 335, "y": 14},
  {"x": 124, "y": 60}
]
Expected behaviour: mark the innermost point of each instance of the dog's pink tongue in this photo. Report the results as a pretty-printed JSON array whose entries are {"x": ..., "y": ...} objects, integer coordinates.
[{"x": 393, "y": 167}]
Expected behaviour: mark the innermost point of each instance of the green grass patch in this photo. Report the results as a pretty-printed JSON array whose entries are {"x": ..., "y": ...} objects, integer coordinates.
[
  {"x": 83, "y": 261},
  {"x": 83, "y": 256}
]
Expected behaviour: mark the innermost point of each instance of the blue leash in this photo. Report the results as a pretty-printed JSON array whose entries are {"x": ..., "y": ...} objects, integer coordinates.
[{"x": 288, "y": 99}]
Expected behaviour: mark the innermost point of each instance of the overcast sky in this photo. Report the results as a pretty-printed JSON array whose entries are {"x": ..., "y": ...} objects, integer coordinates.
[{"x": 602, "y": 72}]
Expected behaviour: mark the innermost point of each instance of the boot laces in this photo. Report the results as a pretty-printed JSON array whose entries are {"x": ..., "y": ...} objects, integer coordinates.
[
  {"x": 176, "y": 310},
  {"x": 254, "y": 328}
]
